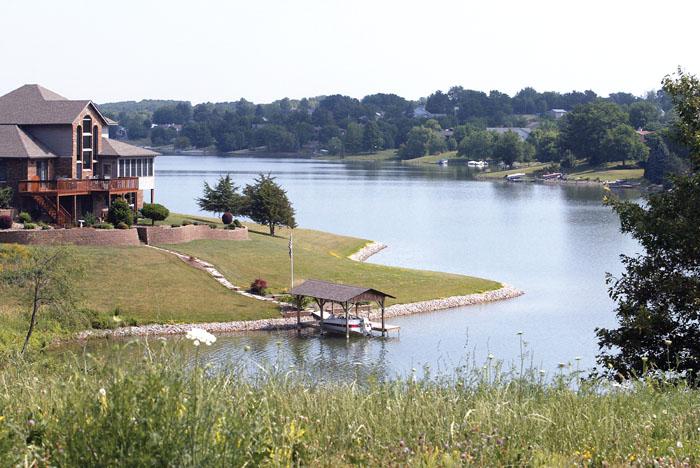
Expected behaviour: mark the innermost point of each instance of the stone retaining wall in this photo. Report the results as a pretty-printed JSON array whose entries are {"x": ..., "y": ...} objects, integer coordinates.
[
  {"x": 84, "y": 236},
  {"x": 153, "y": 235}
]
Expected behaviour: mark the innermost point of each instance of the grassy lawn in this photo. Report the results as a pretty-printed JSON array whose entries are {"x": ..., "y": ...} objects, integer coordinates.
[
  {"x": 432, "y": 159},
  {"x": 323, "y": 256},
  {"x": 146, "y": 285},
  {"x": 383, "y": 155},
  {"x": 608, "y": 173},
  {"x": 523, "y": 169}
]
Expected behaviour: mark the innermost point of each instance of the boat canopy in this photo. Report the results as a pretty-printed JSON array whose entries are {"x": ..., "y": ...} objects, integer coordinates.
[{"x": 334, "y": 292}]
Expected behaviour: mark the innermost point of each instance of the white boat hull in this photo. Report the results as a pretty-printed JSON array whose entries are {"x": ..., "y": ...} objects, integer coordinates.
[{"x": 356, "y": 325}]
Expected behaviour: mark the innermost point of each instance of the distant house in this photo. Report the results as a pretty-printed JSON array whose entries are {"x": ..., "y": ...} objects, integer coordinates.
[
  {"x": 522, "y": 132},
  {"x": 420, "y": 113},
  {"x": 58, "y": 158},
  {"x": 556, "y": 113},
  {"x": 448, "y": 132},
  {"x": 643, "y": 134}
]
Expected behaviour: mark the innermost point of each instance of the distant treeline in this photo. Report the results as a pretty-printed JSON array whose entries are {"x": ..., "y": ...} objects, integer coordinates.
[{"x": 594, "y": 128}]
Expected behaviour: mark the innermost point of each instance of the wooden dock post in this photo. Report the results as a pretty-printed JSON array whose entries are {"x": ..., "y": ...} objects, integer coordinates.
[{"x": 381, "y": 304}]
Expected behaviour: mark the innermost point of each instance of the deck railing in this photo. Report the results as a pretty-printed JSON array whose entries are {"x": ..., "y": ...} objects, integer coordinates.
[{"x": 70, "y": 186}]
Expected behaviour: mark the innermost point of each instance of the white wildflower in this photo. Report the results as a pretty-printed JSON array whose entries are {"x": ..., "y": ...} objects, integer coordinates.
[
  {"x": 667, "y": 342},
  {"x": 490, "y": 356},
  {"x": 198, "y": 335},
  {"x": 679, "y": 444},
  {"x": 102, "y": 392}
]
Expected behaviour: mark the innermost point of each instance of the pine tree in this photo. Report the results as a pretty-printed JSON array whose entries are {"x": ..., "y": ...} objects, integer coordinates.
[{"x": 267, "y": 203}]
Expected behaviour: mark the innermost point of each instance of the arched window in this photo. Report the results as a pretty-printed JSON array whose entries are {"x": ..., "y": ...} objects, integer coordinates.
[{"x": 87, "y": 142}]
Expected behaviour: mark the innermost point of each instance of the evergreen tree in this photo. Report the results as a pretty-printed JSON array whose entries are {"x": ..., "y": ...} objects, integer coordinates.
[
  {"x": 267, "y": 203},
  {"x": 222, "y": 197}
]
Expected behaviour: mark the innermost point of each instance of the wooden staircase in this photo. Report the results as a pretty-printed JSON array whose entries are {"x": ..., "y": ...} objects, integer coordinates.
[{"x": 58, "y": 214}]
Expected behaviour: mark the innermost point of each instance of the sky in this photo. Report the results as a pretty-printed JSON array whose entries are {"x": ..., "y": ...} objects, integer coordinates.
[{"x": 265, "y": 50}]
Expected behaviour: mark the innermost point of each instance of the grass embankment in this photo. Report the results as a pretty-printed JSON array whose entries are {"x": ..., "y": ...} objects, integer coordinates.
[
  {"x": 433, "y": 158},
  {"x": 606, "y": 173},
  {"x": 321, "y": 255},
  {"x": 116, "y": 411},
  {"x": 146, "y": 285}
]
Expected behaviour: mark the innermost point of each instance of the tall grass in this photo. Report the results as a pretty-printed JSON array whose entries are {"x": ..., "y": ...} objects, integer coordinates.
[{"x": 168, "y": 410}]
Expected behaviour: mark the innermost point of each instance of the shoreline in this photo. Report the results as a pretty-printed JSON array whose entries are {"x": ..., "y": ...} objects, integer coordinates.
[{"x": 289, "y": 323}]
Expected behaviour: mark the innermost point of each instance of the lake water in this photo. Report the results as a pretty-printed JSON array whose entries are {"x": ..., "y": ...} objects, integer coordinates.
[{"x": 554, "y": 242}]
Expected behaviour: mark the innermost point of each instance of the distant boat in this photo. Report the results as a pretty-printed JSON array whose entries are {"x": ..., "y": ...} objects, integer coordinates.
[
  {"x": 514, "y": 177},
  {"x": 552, "y": 175},
  {"x": 477, "y": 163},
  {"x": 443, "y": 162}
]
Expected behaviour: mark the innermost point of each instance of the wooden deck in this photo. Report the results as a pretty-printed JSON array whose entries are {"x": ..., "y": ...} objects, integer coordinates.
[{"x": 62, "y": 187}]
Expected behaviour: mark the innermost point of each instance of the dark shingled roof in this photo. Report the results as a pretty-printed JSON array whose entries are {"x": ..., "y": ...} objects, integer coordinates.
[
  {"x": 36, "y": 105},
  {"x": 332, "y": 291},
  {"x": 117, "y": 148},
  {"x": 15, "y": 143}
]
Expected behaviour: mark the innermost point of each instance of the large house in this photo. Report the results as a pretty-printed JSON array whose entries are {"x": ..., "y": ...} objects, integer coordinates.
[{"x": 57, "y": 157}]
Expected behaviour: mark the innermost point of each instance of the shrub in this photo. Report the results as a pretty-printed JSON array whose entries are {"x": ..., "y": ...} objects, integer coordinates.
[
  {"x": 230, "y": 226},
  {"x": 122, "y": 226},
  {"x": 186, "y": 222},
  {"x": 237, "y": 223},
  {"x": 104, "y": 226},
  {"x": 120, "y": 212},
  {"x": 90, "y": 219},
  {"x": 227, "y": 218},
  {"x": 24, "y": 217},
  {"x": 259, "y": 287},
  {"x": 5, "y": 222},
  {"x": 5, "y": 197},
  {"x": 212, "y": 226},
  {"x": 29, "y": 226},
  {"x": 175, "y": 225},
  {"x": 45, "y": 227},
  {"x": 196, "y": 223},
  {"x": 154, "y": 212}
]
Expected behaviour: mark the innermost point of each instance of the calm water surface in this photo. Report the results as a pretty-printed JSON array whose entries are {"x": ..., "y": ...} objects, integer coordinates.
[{"x": 554, "y": 242}]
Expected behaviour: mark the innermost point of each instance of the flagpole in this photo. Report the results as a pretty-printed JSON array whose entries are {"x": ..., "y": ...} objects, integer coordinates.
[{"x": 291, "y": 255}]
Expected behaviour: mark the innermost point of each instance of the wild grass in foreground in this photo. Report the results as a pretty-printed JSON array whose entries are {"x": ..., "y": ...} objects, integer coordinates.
[{"x": 166, "y": 411}]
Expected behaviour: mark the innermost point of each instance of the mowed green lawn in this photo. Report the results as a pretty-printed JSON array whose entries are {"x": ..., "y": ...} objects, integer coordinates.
[
  {"x": 321, "y": 255},
  {"x": 147, "y": 285}
]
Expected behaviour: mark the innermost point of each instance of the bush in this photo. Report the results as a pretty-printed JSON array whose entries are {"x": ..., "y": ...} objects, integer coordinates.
[
  {"x": 259, "y": 287},
  {"x": 104, "y": 226},
  {"x": 5, "y": 197},
  {"x": 29, "y": 226},
  {"x": 5, "y": 222},
  {"x": 45, "y": 227},
  {"x": 122, "y": 226},
  {"x": 212, "y": 226},
  {"x": 186, "y": 222},
  {"x": 120, "y": 212},
  {"x": 196, "y": 223},
  {"x": 175, "y": 225},
  {"x": 155, "y": 212},
  {"x": 90, "y": 219},
  {"x": 227, "y": 218},
  {"x": 24, "y": 217},
  {"x": 237, "y": 223},
  {"x": 230, "y": 226}
]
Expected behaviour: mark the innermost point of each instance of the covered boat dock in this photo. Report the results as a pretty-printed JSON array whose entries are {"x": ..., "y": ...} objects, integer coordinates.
[{"x": 324, "y": 292}]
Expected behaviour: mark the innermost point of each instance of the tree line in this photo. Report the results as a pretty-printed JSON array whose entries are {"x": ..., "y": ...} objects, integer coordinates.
[{"x": 595, "y": 129}]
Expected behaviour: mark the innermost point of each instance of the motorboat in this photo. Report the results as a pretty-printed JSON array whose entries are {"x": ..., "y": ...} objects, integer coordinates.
[
  {"x": 443, "y": 162},
  {"x": 517, "y": 177},
  {"x": 477, "y": 163},
  {"x": 336, "y": 323}
]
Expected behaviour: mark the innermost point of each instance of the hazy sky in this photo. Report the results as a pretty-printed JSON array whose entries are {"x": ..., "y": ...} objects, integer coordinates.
[{"x": 263, "y": 50}]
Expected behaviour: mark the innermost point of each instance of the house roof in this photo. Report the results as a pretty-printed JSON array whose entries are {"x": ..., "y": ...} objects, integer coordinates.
[
  {"x": 522, "y": 132},
  {"x": 118, "y": 148},
  {"x": 333, "y": 291},
  {"x": 15, "y": 143},
  {"x": 33, "y": 104}
]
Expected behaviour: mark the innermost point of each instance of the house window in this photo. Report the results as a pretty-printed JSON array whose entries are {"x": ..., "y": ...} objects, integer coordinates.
[
  {"x": 121, "y": 172},
  {"x": 3, "y": 171},
  {"x": 87, "y": 142},
  {"x": 150, "y": 167},
  {"x": 95, "y": 140},
  {"x": 139, "y": 167}
]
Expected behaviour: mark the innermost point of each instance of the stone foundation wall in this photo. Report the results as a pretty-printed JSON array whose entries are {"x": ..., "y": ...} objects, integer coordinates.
[
  {"x": 85, "y": 236},
  {"x": 168, "y": 235}
]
